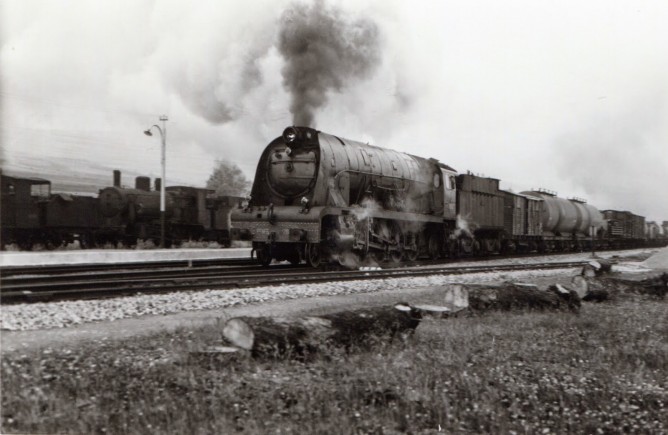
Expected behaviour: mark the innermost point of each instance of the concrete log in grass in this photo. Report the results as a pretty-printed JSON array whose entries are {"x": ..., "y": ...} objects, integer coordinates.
[
  {"x": 516, "y": 296},
  {"x": 656, "y": 286},
  {"x": 286, "y": 337}
]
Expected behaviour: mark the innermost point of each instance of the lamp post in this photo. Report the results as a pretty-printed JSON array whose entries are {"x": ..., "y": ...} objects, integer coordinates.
[{"x": 163, "y": 136}]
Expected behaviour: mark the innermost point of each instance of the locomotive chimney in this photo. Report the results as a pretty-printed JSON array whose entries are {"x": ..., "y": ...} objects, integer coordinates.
[
  {"x": 158, "y": 184},
  {"x": 143, "y": 183},
  {"x": 117, "y": 178}
]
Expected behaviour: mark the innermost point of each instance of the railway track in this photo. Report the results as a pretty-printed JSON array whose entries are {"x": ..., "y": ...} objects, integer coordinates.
[
  {"x": 87, "y": 284},
  {"x": 59, "y": 269}
]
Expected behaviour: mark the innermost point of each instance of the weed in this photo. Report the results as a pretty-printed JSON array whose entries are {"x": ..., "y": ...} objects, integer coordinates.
[{"x": 605, "y": 370}]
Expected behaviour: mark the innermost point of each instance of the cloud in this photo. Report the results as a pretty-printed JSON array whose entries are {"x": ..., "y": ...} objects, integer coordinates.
[
  {"x": 619, "y": 157},
  {"x": 534, "y": 93}
]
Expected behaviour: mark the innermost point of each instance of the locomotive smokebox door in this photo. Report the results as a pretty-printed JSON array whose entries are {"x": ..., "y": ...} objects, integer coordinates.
[{"x": 292, "y": 174}]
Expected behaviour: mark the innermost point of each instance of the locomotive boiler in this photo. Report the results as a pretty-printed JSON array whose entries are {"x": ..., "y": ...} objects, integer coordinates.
[{"x": 319, "y": 196}]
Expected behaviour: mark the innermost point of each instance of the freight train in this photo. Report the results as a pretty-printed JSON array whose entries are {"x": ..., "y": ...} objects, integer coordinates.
[
  {"x": 317, "y": 197},
  {"x": 32, "y": 214}
]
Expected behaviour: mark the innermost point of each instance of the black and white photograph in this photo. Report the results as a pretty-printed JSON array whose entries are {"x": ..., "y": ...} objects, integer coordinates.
[{"x": 333, "y": 217}]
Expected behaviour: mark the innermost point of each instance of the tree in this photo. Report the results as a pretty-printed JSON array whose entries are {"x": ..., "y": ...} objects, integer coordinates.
[{"x": 227, "y": 179}]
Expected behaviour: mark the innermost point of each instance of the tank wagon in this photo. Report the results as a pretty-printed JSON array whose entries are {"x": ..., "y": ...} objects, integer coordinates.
[
  {"x": 566, "y": 223},
  {"x": 318, "y": 197}
]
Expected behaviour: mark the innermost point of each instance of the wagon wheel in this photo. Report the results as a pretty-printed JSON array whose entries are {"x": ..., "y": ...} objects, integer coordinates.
[
  {"x": 375, "y": 257},
  {"x": 466, "y": 245},
  {"x": 412, "y": 246},
  {"x": 396, "y": 256},
  {"x": 25, "y": 245},
  {"x": 313, "y": 254},
  {"x": 433, "y": 247},
  {"x": 264, "y": 255},
  {"x": 411, "y": 254},
  {"x": 295, "y": 259}
]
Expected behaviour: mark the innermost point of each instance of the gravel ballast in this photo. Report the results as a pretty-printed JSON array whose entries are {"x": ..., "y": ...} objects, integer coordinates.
[{"x": 50, "y": 315}]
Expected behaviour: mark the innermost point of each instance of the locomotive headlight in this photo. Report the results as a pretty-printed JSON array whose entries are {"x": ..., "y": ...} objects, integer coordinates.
[{"x": 290, "y": 135}]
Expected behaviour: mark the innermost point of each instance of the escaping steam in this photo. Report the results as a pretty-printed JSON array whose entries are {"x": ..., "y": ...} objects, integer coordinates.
[
  {"x": 464, "y": 227},
  {"x": 324, "y": 50}
]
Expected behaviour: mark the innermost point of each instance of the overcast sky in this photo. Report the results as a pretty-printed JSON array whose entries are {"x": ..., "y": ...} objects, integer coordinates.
[{"x": 570, "y": 95}]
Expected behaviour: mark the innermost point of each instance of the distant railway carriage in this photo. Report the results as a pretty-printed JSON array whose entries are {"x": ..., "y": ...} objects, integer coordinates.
[
  {"x": 23, "y": 200},
  {"x": 191, "y": 213},
  {"x": 71, "y": 217},
  {"x": 624, "y": 227},
  {"x": 32, "y": 214},
  {"x": 653, "y": 231}
]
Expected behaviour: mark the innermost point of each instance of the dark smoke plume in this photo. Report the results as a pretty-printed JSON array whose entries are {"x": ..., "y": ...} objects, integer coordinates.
[{"x": 324, "y": 50}]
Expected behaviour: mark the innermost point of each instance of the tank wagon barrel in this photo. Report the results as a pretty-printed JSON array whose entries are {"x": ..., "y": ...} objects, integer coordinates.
[{"x": 566, "y": 216}]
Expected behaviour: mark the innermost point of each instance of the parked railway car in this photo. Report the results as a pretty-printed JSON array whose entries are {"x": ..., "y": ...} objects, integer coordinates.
[
  {"x": 191, "y": 213},
  {"x": 32, "y": 214},
  {"x": 70, "y": 217},
  {"x": 22, "y": 207}
]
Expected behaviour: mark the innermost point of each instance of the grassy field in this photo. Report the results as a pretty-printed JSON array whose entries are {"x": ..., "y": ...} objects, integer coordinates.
[{"x": 602, "y": 371}]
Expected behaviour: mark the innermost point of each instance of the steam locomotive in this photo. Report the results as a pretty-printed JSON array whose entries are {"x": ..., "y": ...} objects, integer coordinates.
[
  {"x": 317, "y": 197},
  {"x": 32, "y": 214}
]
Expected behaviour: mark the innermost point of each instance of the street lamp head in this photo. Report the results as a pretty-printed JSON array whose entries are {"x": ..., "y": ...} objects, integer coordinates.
[{"x": 148, "y": 132}]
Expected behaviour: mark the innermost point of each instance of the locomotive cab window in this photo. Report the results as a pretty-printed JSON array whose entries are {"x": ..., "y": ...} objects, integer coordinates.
[
  {"x": 449, "y": 182},
  {"x": 41, "y": 190}
]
